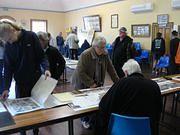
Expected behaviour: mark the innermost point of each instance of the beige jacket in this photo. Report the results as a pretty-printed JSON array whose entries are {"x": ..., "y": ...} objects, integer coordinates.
[{"x": 83, "y": 76}]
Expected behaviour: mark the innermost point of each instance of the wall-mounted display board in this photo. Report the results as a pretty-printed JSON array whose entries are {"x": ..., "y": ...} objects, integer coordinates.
[
  {"x": 92, "y": 22},
  {"x": 162, "y": 20},
  {"x": 140, "y": 30}
]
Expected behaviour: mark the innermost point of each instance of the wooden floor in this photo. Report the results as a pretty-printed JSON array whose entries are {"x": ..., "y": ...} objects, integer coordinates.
[{"x": 172, "y": 126}]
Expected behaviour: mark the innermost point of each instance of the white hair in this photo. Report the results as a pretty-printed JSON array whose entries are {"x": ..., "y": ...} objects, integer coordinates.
[
  {"x": 98, "y": 41},
  {"x": 131, "y": 66},
  {"x": 43, "y": 35}
]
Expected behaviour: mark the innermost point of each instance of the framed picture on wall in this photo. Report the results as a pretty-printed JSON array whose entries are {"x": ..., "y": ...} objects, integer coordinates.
[
  {"x": 162, "y": 20},
  {"x": 92, "y": 23},
  {"x": 114, "y": 21},
  {"x": 140, "y": 30}
]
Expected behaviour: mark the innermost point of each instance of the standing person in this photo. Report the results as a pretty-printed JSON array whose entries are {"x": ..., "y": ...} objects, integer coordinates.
[
  {"x": 60, "y": 43},
  {"x": 23, "y": 57},
  {"x": 72, "y": 40},
  {"x": 1, "y": 66},
  {"x": 133, "y": 95},
  {"x": 91, "y": 69},
  {"x": 122, "y": 51},
  {"x": 174, "y": 43},
  {"x": 157, "y": 49},
  {"x": 56, "y": 60},
  {"x": 52, "y": 41}
]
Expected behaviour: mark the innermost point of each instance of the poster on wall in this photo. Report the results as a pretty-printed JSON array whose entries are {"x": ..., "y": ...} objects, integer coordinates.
[
  {"x": 140, "y": 30},
  {"x": 92, "y": 22},
  {"x": 162, "y": 20}
]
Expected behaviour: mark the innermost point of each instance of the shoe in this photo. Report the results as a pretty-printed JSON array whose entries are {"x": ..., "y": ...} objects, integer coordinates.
[{"x": 86, "y": 125}]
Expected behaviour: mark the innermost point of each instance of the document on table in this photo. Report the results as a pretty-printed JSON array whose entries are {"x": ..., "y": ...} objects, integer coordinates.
[
  {"x": 65, "y": 96},
  {"x": 2, "y": 108},
  {"x": 5, "y": 117},
  {"x": 40, "y": 98},
  {"x": 167, "y": 85},
  {"x": 176, "y": 78},
  {"x": 85, "y": 102}
]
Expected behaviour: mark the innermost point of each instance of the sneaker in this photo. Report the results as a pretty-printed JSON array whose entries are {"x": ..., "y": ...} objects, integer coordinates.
[{"x": 86, "y": 125}]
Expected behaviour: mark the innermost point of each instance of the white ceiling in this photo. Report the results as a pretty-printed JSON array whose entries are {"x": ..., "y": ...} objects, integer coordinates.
[{"x": 52, "y": 5}]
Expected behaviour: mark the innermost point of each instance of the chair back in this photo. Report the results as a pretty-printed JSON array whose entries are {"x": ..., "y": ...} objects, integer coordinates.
[
  {"x": 125, "y": 125},
  {"x": 163, "y": 62},
  {"x": 145, "y": 54},
  {"x": 137, "y": 46}
]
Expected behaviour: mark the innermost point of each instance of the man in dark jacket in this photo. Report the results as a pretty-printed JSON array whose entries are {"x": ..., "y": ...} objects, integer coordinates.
[
  {"x": 60, "y": 43},
  {"x": 157, "y": 48},
  {"x": 56, "y": 60},
  {"x": 131, "y": 96},
  {"x": 122, "y": 51},
  {"x": 174, "y": 43},
  {"x": 23, "y": 57}
]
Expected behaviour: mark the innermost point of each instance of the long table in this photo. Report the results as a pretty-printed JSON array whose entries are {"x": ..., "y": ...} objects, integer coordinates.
[{"x": 51, "y": 116}]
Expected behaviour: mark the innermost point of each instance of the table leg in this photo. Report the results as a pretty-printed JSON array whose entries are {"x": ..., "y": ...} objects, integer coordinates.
[
  {"x": 164, "y": 106},
  {"x": 70, "y": 127}
]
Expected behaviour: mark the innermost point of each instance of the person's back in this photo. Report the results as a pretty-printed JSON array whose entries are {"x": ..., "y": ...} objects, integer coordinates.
[
  {"x": 72, "y": 41},
  {"x": 131, "y": 96},
  {"x": 56, "y": 62}
]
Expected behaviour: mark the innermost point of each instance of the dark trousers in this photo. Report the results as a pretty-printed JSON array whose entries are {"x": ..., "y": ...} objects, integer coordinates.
[
  {"x": 74, "y": 54},
  {"x": 1, "y": 77}
]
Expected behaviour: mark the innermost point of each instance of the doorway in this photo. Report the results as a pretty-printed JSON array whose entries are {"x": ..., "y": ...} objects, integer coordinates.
[{"x": 166, "y": 33}]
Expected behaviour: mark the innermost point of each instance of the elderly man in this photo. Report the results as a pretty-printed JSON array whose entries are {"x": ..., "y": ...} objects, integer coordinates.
[
  {"x": 92, "y": 66},
  {"x": 122, "y": 51},
  {"x": 56, "y": 60},
  {"x": 133, "y": 96},
  {"x": 91, "y": 70}
]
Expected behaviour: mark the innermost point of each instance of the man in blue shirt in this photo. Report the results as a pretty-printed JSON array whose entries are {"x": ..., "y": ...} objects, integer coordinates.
[{"x": 60, "y": 43}]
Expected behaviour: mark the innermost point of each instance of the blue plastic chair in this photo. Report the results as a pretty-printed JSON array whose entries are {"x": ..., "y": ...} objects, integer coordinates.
[
  {"x": 137, "y": 46},
  {"x": 125, "y": 125},
  {"x": 143, "y": 58},
  {"x": 109, "y": 49},
  {"x": 163, "y": 62}
]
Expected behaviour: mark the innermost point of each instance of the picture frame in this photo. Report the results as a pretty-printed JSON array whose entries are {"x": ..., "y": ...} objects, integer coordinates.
[
  {"x": 162, "y": 20},
  {"x": 92, "y": 22},
  {"x": 114, "y": 21},
  {"x": 140, "y": 30}
]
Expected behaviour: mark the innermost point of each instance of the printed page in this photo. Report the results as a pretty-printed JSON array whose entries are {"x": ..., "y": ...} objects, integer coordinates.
[
  {"x": 64, "y": 97},
  {"x": 53, "y": 102},
  {"x": 42, "y": 89},
  {"x": 85, "y": 102},
  {"x": 2, "y": 108},
  {"x": 22, "y": 105},
  {"x": 176, "y": 78}
]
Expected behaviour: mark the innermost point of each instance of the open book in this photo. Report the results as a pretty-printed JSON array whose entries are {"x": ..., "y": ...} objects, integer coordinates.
[{"x": 41, "y": 98}]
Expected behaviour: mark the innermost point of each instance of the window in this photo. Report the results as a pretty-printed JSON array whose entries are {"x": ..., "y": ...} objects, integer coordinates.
[{"x": 38, "y": 25}]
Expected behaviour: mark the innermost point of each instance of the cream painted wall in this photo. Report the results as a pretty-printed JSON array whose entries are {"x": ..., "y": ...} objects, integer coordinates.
[
  {"x": 59, "y": 21},
  {"x": 126, "y": 18},
  {"x": 55, "y": 20}
]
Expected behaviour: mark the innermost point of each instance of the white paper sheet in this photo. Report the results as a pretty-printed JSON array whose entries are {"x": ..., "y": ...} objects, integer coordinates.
[
  {"x": 22, "y": 105},
  {"x": 42, "y": 89},
  {"x": 40, "y": 94},
  {"x": 2, "y": 108}
]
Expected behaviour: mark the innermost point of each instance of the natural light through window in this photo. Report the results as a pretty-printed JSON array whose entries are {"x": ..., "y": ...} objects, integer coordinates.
[{"x": 39, "y": 25}]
